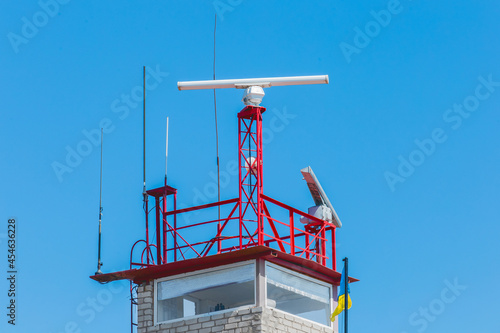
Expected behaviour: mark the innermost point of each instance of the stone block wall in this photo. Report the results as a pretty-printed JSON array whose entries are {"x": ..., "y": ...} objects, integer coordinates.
[{"x": 278, "y": 321}]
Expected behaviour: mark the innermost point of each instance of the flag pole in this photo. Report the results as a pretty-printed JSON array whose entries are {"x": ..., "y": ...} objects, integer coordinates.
[{"x": 346, "y": 297}]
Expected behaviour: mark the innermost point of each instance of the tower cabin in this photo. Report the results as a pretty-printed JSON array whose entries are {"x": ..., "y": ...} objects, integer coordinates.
[{"x": 247, "y": 264}]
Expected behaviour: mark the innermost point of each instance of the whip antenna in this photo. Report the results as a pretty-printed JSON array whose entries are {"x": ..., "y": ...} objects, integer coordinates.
[
  {"x": 145, "y": 195},
  {"x": 99, "y": 262},
  {"x": 166, "y": 154}
]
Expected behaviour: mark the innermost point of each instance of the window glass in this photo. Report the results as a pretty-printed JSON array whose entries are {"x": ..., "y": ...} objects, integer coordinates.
[
  {"x": 206, "y": 292},
  {"x": 298, "y": 295}
]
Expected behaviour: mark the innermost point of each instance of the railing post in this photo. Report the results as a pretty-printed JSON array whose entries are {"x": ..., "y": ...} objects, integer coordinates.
[
  {"x": 218, "y": 238},
  {"x": 292, "y": 234},
  {"x": 164, "y": 219},
  {"x": 308, "y": 256},
  {"x": 334, "y": 254},
  {"x": 175, "y": 227},
  {"x": 323, "y": 245},
  {"x": 317, "y": 246},
  {"x": 158, "y": 231}
]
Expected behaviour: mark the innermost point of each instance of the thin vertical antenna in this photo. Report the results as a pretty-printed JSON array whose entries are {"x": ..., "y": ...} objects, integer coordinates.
[
  {"x": 144, "y": 133},
  {"x": 99, "y": 263},
  {"x": 166, "y": 154},
  {"x": 144, "y": 193},
  {"x": 216, "y": 129}
]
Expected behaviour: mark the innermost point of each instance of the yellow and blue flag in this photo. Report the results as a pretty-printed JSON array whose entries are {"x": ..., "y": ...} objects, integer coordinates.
[{"x": 341, "y": 298}]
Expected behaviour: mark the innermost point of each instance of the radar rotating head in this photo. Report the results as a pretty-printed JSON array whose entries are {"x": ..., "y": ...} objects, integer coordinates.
[{"x": 253, "y": 95}]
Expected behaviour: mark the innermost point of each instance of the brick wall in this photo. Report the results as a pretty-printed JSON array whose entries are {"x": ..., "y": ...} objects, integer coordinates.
[{"x": 253, "y": 320}]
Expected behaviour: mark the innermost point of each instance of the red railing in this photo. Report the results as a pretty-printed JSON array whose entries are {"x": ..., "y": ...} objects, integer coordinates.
[{"x": 195, "y": 239}]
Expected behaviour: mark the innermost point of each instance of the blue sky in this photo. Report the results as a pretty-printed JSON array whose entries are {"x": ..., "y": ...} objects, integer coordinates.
[{"x": 404, "y": 140}]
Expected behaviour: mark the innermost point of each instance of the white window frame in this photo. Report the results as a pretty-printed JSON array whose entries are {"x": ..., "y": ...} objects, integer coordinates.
[
  {"x": 305, "y": 277},
  {"x": 199, "y": 272}
]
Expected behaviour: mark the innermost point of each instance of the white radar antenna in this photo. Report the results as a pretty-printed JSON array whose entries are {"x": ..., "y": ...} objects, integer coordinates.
[{"x": 254, "y": 91}]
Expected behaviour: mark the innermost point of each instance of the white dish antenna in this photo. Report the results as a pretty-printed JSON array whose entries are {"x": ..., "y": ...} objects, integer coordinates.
[
  {"x": 323, "y": 209},
  {"x": 254, "y": 87}
]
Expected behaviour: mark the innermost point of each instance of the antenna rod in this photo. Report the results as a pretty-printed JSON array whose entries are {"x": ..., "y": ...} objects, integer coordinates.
[
  {"x": 144, "y": 133},
  {"x": 166, "y": 154},
  {"x": 99, "y": 263},
  {"x": 144, "y": 193}
]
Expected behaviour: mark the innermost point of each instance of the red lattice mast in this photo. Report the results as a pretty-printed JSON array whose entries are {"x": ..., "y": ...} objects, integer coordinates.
[{"x": 251, "y": 203}]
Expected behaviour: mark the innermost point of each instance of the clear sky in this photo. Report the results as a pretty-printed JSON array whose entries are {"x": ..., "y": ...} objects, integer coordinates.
[{"x": 404, "y": 140}]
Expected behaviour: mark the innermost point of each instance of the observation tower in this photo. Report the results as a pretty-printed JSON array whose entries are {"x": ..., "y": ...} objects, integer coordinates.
[{"x": 247, "y": 264}]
